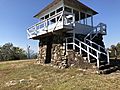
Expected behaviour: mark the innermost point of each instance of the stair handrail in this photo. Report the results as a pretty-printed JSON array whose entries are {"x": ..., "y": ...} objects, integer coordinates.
[
  {"x": 96, "y": 57},
  {"x": 99, "y": 46},
  {"x": 87, "y": 51},
  {"x": 97, "y": 29}
]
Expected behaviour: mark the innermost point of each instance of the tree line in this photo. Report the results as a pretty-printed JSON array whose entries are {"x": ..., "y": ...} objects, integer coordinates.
[
  {"x": 115, "y": 51},
  {"x": 10, "y": 52}
]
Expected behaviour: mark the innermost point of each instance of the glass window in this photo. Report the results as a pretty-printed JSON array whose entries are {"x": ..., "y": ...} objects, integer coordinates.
[
  {"x": 89, "y": 20},
  {"x": 82, "y": 15},
  {"x": 42, "y": 18},
  {"x": 76, "y": 15},
  {"x": 52, "y": 13},
  {"x": 68, "y": 9},
  {"x": 59, "y": 10},
  {"x": 47, "y": 16}
]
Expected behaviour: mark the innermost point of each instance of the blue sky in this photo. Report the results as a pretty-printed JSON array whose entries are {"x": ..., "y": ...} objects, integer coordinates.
[{"x": 17, "y": 15}]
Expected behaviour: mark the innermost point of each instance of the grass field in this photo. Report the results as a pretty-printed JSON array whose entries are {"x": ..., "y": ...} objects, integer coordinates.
[{"x": 25, "y": 75}]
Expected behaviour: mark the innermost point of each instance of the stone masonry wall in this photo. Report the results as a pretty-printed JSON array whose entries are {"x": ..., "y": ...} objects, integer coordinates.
[
  {"x": 58, "y": 56},
  {"x": 61, "y": 60},
  {"x": 42, "y": 53}
]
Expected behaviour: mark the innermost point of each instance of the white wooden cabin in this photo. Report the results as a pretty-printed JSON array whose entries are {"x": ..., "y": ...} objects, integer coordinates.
[
  {"x": 62, "y": 15},
  {"x": 71, "y": 17}
]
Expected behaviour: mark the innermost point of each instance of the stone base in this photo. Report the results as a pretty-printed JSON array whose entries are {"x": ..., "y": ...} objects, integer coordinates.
[{"x": 61, "y": 60}]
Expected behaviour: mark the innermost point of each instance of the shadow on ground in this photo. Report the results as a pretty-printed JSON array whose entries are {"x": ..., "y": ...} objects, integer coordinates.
[{"x": 115, "y": 62}]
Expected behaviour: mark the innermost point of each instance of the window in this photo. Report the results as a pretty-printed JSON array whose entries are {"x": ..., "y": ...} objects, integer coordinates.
[
  {"x": 59, "y": 10},
  {"x": 76, "y": 15},
  {"x": 89, "y": 20},
  {"x": 52, "y": 13},
  {"x": 42, "y": 18},
  {"x": 68, "y": 9},
  {"x": 47, "y": 16},
  {"x": 82, "y": 17}
]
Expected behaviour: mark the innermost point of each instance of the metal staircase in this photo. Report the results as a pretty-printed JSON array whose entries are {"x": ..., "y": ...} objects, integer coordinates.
[
  {"x": 99, "y": 29},
  {"x": 98, "y": 54},
  {"x": 90, "y": 51}
]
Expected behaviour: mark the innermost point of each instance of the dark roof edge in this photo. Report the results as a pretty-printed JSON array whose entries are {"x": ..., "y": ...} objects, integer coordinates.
[{"x": 57, "y": 1}]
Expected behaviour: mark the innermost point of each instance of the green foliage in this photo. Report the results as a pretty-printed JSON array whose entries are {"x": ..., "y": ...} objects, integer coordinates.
[
  {"x": 115, "y": 50},
  {"x": 10, "y": 52}
]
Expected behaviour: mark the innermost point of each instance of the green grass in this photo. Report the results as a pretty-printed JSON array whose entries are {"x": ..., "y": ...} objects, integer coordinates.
[{"x": 38, "y": 77}]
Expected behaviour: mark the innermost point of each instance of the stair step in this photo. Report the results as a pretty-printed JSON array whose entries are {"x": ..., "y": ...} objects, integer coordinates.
[
  {"x": 93, "y": 61},
  {"x": 109, "y": 70},
  {"x": 106, "y": 66},
  {"x": 101, "y": 63}
]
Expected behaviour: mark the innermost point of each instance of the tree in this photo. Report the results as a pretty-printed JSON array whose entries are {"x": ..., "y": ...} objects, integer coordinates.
[
  {"x": 10, "y": 52},
  {"x": 6, "y": 51},
  {"x": 115, "y": 50}
]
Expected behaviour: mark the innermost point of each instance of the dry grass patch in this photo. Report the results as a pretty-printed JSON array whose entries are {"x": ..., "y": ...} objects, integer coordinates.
[{"x": 25, "y": 75}]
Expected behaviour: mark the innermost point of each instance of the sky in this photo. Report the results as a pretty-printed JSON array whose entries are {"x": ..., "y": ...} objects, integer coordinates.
[{"x": 17, "y": 15}]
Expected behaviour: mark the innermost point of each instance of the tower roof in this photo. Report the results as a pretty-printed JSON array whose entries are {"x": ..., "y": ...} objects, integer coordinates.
[{"x": 73, "y": 3}]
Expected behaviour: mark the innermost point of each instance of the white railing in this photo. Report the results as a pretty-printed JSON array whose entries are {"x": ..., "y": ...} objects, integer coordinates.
[
  {"x": 99, "y": 29},
  {"x": 61, "y": 17},
  {"x": 93, "y": 43},
  {"x": 87, "y": 50}
]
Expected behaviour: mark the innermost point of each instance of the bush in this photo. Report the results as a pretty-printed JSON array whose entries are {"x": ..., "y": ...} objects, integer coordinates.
[{"x": 10, "y": 52}]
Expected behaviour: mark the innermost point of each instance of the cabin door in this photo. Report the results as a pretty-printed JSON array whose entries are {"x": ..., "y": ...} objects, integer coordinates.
[{"x": 48, "y": 49}]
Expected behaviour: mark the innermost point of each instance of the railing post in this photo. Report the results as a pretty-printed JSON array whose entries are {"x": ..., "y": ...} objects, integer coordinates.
[
  {"x": 108, "y": 59},
  {"x": 63, "y": 18},
  {"x": 98, "y": 63},
  {"x": 35, "y": 31},
  {"x": 99, "y": 48},
  {"x": 88, "y": 55},
  {"x": 66, "y": 44},
  {"x": 73, "y": 42},
  {"x": 80, "y": 47},
  {"x": 46, "y": 24}
]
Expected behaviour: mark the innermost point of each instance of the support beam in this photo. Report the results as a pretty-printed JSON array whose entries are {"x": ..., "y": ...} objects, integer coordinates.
[{"x": 92, "y": 20}]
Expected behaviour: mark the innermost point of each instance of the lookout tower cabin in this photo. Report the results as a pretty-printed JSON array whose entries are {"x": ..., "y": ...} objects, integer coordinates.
[{"x": 66, "y": 31}]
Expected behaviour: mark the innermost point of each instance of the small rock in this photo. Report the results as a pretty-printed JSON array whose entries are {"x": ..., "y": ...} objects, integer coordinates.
[
  {"x": 38, "y": 86},
  {"x": 11, "y": 83},
  {"x": 80, "y": 69},
  {"x": 84, "y": 70},
  {"x": 72, "y": 76},
  {"x": 22, "y": 80}
]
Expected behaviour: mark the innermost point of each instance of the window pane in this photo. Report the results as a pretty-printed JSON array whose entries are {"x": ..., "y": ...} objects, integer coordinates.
[
  {"x": 59, "y": 10},
  {"x": 76, "y": 15},
  {"x": 52, "y": 13},
  {"x": 47, "y": 16},
  {"x": 82, "y": 15},
  {"x": 42, "y": 18},
  {"x": 89, "y": 22},
  {"x": 68, "y": 9}
]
